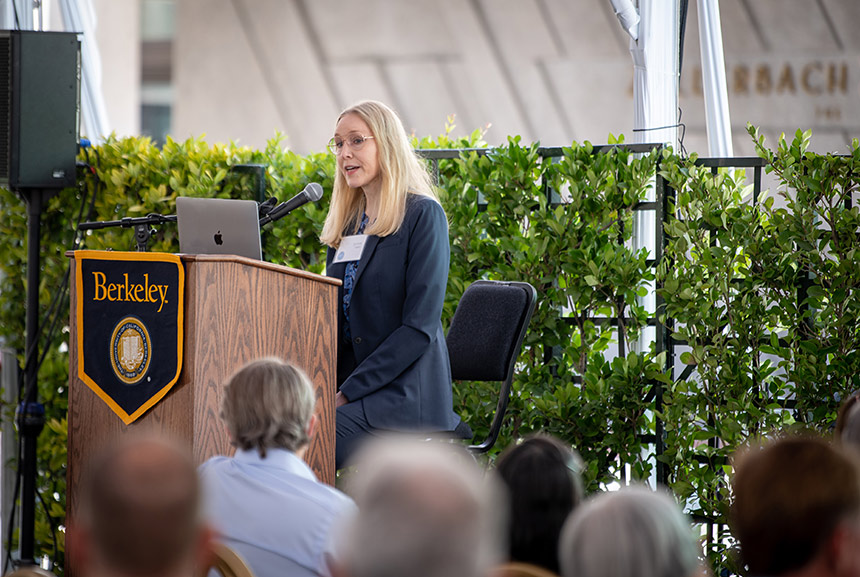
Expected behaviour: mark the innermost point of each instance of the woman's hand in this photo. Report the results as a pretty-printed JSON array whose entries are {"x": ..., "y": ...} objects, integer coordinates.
[{"x": 340, "y": 399}]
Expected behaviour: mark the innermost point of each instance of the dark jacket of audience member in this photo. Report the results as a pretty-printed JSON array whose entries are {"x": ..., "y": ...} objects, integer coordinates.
[
  {"x": 796, "y": 509},
  {"x": 542, "y": 476}
]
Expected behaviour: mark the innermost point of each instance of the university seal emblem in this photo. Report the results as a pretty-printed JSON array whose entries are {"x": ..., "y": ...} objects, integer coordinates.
[{"x": 130, "y": 350}]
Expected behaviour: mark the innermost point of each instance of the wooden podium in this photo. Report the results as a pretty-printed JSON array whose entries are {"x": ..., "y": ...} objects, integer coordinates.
[{"x": 236, "y": 310}]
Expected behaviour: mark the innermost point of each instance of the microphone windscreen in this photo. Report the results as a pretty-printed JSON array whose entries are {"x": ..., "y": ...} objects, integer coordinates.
[{"x": 314, "y": 191}]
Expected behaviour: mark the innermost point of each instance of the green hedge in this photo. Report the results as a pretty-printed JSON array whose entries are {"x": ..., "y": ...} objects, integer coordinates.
[
  {"x": 728, "y": 281},
  {"x": 767, "y": 296}
]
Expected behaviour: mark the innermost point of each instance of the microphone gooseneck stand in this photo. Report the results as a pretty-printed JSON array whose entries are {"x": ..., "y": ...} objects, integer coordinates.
[{"x": 142, "y": 225}]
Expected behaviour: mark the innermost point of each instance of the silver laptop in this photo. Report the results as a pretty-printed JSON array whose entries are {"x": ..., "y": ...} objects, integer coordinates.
[{"x": 218, "y": 226}]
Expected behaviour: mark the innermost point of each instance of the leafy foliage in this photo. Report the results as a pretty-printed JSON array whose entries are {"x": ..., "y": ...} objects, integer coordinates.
[
  {"x": 764, "y": 294},
  {"x": 508, "y": 224}
]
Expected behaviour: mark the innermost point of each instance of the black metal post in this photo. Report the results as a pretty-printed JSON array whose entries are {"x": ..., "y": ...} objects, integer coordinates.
[
  {"x": 30, "y": 416},
  {"x": 663, "y": 336}
]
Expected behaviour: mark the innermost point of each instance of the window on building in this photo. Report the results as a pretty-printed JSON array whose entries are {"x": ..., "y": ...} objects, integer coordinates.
[{"x": 158, "y": 26}]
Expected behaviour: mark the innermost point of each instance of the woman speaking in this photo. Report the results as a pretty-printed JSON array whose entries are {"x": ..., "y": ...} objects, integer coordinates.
[{"x": 388, "y": 242}]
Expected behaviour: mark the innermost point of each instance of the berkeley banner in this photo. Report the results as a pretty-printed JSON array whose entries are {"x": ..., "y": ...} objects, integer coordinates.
[{"x": 130, "y": 319}]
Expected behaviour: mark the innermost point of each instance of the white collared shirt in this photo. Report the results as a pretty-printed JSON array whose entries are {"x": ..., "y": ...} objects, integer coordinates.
[{"x": 273, "y": 511}]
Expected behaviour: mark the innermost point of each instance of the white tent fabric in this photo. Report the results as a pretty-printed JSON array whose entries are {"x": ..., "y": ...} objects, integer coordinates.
[
  {"x": 628, "y": 16},
  {"x": 717, "y": 117},
  {"x": 24, "y": 11},
  {"x": 655, "y": 73},
  {"x": 654, "y": 48},
  {"x": 79, "y": 16}
]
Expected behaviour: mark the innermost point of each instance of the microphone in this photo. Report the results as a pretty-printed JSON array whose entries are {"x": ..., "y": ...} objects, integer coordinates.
[{"x": 311, "y": 193}]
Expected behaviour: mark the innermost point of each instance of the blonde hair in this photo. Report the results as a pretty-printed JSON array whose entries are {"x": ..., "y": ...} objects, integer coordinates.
[
  {"x": 268, "y": 403},
  {"x": 402, "y": 172}
]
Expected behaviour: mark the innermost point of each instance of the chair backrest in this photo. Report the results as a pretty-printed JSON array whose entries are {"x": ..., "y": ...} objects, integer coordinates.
[
  {"x": 226, "y": 562},
  {"x": 486, "y": 336}
]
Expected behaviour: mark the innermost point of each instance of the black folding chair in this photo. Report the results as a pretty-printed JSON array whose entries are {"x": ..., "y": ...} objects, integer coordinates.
[{"x": 485, "y": 339}]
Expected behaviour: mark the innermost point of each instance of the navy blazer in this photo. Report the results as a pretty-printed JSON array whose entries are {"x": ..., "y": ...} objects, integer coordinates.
[{"x": 396, "y": 363}]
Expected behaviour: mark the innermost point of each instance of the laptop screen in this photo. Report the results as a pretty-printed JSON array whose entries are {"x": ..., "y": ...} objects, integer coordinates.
[{"x": 218, "y": 226}]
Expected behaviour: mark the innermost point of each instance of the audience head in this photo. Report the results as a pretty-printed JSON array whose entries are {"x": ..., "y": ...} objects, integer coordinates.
[
  {"x": 634, "y": 532},
  {"x": 269, "y": 404},
  {"x": 425, "y": 510},
  {"x": 847, "y": 430},
  {"x": 542, "y": 476},
  {"x": 850, "y": 437},
  {"x": 139, "y": 512},
  {"x": 797, "y": 508}
]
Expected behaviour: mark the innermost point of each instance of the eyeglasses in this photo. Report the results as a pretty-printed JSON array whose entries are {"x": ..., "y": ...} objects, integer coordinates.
[{"x": 355, "y": 141}]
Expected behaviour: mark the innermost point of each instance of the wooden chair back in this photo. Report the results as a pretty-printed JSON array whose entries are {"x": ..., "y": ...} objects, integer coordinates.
[{"x": 227, "y": 563}]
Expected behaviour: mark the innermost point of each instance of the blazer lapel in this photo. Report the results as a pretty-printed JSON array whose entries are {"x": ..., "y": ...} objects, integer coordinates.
[
  {"x": 334, "y": 270},
  {"x": 369, "y": 248}
]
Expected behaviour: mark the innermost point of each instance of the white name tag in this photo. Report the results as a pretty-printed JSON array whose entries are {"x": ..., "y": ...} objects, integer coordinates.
[{"x": 350, "y": 248}]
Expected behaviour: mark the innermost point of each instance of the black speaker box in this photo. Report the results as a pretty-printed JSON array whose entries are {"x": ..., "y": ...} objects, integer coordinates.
[{"x": 39, "y": 108}]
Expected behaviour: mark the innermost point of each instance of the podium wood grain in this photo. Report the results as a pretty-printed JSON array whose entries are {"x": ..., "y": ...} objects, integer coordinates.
[{"x": 236, "y": 310}]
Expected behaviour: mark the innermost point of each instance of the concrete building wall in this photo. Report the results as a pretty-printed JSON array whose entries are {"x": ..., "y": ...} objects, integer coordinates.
[
  {"x": 549, "y": 70},
  {"x": 118, "y": 37}
]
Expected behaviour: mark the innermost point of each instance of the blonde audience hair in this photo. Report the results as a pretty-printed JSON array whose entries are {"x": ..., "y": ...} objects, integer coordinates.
[
  {"x": 268, "y": 403},
  {"x": 402, "y": 172}
]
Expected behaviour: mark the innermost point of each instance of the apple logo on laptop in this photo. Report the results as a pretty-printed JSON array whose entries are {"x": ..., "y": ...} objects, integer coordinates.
[{"x": 218, "y": 240}]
